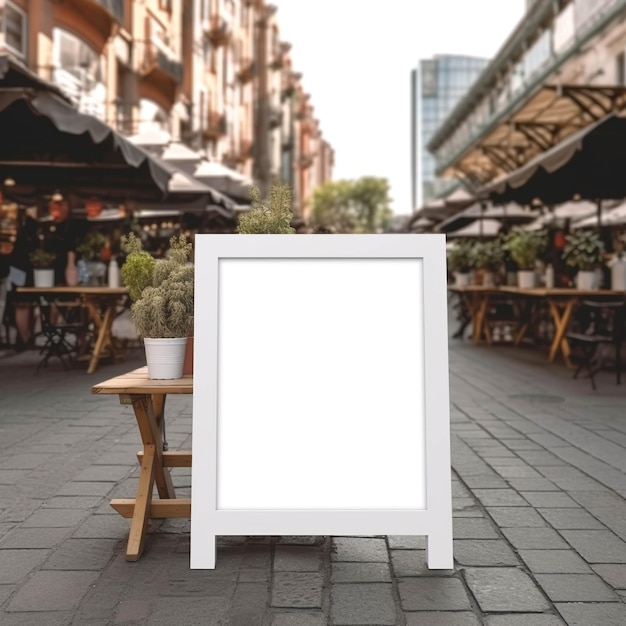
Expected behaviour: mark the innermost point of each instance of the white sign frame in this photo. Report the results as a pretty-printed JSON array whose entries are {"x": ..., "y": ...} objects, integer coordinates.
[{"x": 434, "y": 520}]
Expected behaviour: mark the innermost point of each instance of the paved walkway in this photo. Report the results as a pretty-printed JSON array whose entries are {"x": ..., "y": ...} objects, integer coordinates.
[{"x": 539, "y": 515}]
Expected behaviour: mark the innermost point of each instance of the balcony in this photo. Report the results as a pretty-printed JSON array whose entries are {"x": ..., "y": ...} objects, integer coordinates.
[
  {"x": 158, "y": 60},
  {"x": 247, "y": 70},
  {"x": 216, "y": 125},
  {"x": 217, "y": 29},
  {"x": 114, "y": 8}
]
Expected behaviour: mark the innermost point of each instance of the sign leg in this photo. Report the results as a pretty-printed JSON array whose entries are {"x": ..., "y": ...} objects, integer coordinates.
[{"x": 439, "y": 550}]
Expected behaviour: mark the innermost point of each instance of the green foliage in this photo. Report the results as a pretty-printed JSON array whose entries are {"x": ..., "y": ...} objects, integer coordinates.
[
  {"x": 42, "y": 259},
  {"x": 352, "y": 206},
  {"x": 460, "y": 257},
  {"x": 525, "y": 246},
  {"x": 91, "y": 245},
  {"x": 138, "y": 269},
  {"x": 162, "y": 290},
  {"x": 583, "y": 250},
  {"x": 488, "y": 255},
  {"x": 273, "y": 216}
]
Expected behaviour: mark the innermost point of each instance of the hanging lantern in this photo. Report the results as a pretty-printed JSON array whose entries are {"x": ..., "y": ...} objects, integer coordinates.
[
  {"x": 93, "y": 206},
  {"x": 58, "y": 209}
]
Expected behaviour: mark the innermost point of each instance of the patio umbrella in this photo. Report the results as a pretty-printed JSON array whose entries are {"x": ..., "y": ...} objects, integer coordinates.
[
  {"x": 478, "y": 229},
  {"x": 509, "y": 214}
]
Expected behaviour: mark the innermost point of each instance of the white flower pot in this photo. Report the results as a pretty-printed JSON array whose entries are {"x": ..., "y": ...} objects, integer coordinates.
[
  {"x": 165, "y": 357},
  {"x": 43, "y": 278},
  {"x": 461, "y": 279},
  {"x": 585, "y": 280},
  {"x": 526, "y": 279},
  {"x": 489, "y": 279}
]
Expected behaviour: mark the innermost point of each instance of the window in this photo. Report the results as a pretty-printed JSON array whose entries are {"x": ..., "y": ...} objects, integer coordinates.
[
  {"x": 15, "y": 29},
  {"x": 78, "y": 71}
]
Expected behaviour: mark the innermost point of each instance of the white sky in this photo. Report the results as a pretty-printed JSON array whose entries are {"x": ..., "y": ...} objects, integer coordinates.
[{"x": 356, "y": 57}]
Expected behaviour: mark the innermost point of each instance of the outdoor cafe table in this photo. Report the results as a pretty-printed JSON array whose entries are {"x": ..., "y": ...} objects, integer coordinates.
[
  {"x": 476, "y": 300},
  {"x": 561, "y": 302},
  {"x": 147, "y": 398},
  {"x": 101, "y": 304}
]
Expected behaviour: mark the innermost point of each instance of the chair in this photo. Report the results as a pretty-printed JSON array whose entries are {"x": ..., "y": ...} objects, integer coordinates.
[
  {"x": 64, "y": 325},
  {"x": 603, "y": 324}
]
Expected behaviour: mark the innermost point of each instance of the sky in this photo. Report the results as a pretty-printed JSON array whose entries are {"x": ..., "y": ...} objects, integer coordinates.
[{"x": 356, "y": 58}]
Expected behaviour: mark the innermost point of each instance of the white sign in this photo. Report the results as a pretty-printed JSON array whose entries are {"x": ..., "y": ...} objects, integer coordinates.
[{"x": 321, "y": 403}]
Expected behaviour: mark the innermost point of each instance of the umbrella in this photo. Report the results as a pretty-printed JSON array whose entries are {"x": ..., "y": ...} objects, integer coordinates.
[{"x": 479, "y": 228}]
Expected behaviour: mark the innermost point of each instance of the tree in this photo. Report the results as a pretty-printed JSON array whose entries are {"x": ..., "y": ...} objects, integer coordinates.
[{"x": 352, "y": 206}]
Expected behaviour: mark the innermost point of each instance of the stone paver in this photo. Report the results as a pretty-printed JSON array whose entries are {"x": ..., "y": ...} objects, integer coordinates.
[
  {"x": 505, "y": 589},
  {"x": 538, "y": 503}
]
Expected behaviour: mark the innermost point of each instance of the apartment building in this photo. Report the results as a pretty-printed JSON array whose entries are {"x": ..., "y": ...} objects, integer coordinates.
[
  {"x": 561, "y": 69},
  {"x": 213, "y": 74}
]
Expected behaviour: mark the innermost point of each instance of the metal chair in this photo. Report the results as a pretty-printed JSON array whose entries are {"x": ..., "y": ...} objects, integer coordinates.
[
  {"x": 604, "y": 325},
  {"x": 64, "y": 325}
]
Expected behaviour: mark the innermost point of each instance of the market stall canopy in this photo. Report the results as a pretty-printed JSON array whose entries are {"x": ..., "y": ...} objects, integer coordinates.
[
  {"x": 509, "y": 213},
  {"x": 48, "y": 145},
  {"x": 572, "y": 211},
  {"x": 478, "y": 229},
  {"x": 224, "y": 179},
  {"x": 587, "y": 165},
  {"x": 551, "y": 115},
  {"x": 610, "y": 217}
]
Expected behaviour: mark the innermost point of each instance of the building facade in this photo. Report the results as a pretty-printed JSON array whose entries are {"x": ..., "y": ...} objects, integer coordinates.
[
  {"x": 436, "y": 87},
  {"x": 561, "y": 69},
  {"x": 213, "y": 74}
]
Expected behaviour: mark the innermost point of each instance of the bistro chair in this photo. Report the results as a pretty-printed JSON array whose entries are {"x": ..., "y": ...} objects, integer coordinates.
[
  {"x": 64, "y": 325},
  {"x": 603, "y": 324}
]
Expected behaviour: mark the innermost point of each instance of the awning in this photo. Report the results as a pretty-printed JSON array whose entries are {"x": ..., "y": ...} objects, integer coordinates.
[
  {"x": 479, "y": 228},
  {"x": 509, "y": 213},
  {"x": 588, "y": 165},
  {"x": 572, "y": 211},
  {"x": 551, "y": 115},
  {"x": 609, "y": 217}
]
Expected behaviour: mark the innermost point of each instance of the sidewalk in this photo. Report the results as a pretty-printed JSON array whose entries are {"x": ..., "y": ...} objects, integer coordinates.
[{"x": 539, "y": 486}]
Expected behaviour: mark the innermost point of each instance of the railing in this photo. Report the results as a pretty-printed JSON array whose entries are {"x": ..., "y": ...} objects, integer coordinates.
[
  {"x": 114, "y": 7},
  {"x": 157, "y": 57}
]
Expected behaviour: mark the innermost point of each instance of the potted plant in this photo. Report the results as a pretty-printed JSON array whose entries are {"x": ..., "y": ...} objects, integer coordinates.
[
  {"x": 268, "y": 217},
  {"x": 91, "y": 268},
  {"x": 460, "y": 262},
  {"x": 43, "y": 271},
  {"x": 162, "y": 294},
  {"x": 584, "y": 251},
  {"x": 524, "y": 246},
  {"x": 487, "y": 257}
]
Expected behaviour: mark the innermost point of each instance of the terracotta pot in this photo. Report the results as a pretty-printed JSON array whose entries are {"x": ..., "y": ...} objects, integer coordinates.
[{"x": 188, "y": 364}]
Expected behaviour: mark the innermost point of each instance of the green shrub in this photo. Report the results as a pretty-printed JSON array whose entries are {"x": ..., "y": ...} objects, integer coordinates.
[
  {"x": 273, "y": 216},
  {"x": 583, "y": 250},
  {"x": 525, "y": 246}
]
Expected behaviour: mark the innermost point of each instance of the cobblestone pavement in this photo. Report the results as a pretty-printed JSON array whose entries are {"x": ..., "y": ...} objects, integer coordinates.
[{"x": 539, "y": 515}]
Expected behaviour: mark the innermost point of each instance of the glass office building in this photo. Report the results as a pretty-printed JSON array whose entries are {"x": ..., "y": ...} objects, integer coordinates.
[{"x": 436, "y": 87}]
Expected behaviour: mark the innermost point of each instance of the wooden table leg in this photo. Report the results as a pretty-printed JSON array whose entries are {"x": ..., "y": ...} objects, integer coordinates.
[
  {"x": 103, "y": 324},
  {"x": 561, "y": 321},
  {"x": 152, "y": 469},
  {"x": 478, "y": 318}
]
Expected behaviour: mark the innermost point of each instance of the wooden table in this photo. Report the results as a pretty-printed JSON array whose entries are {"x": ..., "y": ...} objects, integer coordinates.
[
  {"x": 561, "y": 302},
  {"x": 476, "y": 299},
  {"x": 147, "y": 398},
  {"x": 101, "y": 304}
]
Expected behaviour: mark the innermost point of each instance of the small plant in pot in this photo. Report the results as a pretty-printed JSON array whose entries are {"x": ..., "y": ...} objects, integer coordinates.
[
  {"x": 525, "y": 246},
  {"x": 268, "y": 217},
  {"x": 584, "y": 251},
  {"x": 43, "y": 270},
  {"x": 162, "y": 292},
  {"x": 460, "y": 262},
  {"x": 488, "y": 256}
]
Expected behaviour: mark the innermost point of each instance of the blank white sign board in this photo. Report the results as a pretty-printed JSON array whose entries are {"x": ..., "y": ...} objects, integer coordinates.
[{"x": 321, "y": 389}]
